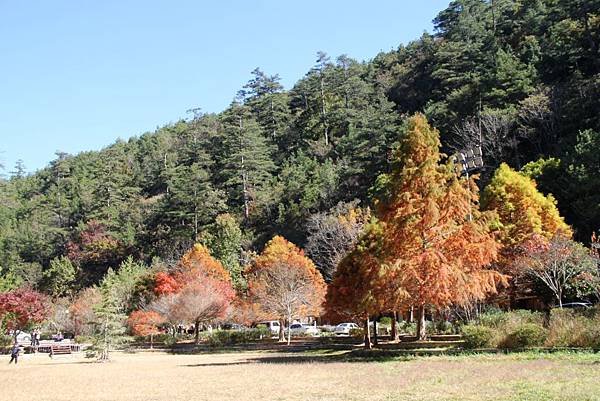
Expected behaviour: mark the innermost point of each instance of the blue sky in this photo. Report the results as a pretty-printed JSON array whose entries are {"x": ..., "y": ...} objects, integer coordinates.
[{"x": 77, "y": 75}]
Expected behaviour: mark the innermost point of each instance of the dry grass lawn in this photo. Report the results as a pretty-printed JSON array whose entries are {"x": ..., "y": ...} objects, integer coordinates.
[{"x": 275, "y": 376}]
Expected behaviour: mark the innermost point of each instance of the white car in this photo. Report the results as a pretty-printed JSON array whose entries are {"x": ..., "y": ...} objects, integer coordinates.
[
  {"x": 271, "y": 325},
  {"x": 301, "y": 329},
  {"x": 22, "y": 337},
  {"x": 343, "y": 329}
]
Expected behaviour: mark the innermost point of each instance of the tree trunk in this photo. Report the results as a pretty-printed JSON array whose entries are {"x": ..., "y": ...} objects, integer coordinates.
[
  {"x": 151, "y": 342},
  {"x": 421, "y": 330},
  {"x": 411, "y": 314},
  {"x": 559, "y": 296},
  {"x": 368, "y": 344},
  {"x": 281, "y": 332},
  {"x": 197, "y": 331},
  {"x": 394, "y": 326},
  {"x": 289, "y": 339},
  {"x": 375, "y": 334}
]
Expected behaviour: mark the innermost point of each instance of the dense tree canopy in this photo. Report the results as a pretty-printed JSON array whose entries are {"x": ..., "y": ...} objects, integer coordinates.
[{"x": 520, "y": 77}]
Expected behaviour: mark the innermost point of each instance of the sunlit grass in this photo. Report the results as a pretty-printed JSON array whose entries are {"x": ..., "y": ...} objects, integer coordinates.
[{"x": 313, "y": 375}]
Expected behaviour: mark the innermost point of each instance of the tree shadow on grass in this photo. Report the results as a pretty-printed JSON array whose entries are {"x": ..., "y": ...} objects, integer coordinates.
[
  {"x": 199, "y": 365},
  {"x": 323, "y": 357}
]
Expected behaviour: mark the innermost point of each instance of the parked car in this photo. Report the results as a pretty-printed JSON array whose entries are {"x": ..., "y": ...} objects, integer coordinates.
[
  {"x": 577, "y": 305},
  {"x": 272, "y": 325},
  {"x": 301, "y": 329},
  {"x": 233, "y": 326},
  {"x": 343, "y": 329},
  {"x": 22, "y": 337}
]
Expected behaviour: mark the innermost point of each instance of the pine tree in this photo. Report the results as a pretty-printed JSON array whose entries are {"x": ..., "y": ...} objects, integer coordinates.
[
  {"x": 247, "y": 160},
  {"x": 269, "y": 103},
  {"x": 110, "y": 324},
  {"x": 224, "y": 239}
]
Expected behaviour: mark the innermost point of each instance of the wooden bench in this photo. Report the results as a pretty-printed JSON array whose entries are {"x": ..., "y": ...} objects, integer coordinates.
[{"x": 60, "y": 350}]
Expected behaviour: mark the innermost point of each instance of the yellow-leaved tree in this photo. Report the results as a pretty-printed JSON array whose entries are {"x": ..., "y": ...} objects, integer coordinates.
[
  {"x": 522, "y": 210},
  {"x": 523, "y": 213}
]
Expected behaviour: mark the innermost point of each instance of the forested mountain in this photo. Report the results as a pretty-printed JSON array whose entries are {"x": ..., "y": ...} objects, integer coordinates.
[{"x": 521, "y": 76}]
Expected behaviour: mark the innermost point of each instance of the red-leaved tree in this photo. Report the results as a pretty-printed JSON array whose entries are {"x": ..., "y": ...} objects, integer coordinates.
[
  {"x": 145, "y": 323},
  {"x": 22, "y": 308}
]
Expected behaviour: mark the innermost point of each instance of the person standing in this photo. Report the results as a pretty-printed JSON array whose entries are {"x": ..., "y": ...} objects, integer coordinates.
[{"x": 14, "y": 353}]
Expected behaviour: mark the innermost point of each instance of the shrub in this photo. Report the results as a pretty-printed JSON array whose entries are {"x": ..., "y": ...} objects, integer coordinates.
[
  {"x": 408, "y": 328},
  {"x": 360, "y": 332},
  {"x": 5, "y": 341},
  {"x": 443, "y": 327},
  {"x": 477, "y": 336},
  {"x": 493, "y": 318},
  {"x": 262, "y": 331},
  {"x": 84, "y": 339},
  {"x": 525, "y": 335},
  {"x": 569, "y": 328},
  {"x": 385, "y": 321},
  {"x": 220, "y": 338}
]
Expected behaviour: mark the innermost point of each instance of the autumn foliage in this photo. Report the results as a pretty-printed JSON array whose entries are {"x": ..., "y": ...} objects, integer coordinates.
[
  {"x": 360, "y": 289},
  {"x": 525, "y": 217},
  {"x": 82, "y": 310},
  {"x": 145, "y": 323},
  {"x": 523, "y": 211},
  {"x": 197, "y": 261},
  {"x": 432, "y": 248},
  {"x": 435, "y": 241},
  {"x": 198, "y": 291},
  {"x": 283, "y": 283},
  {"x": 21, "y": 308}
]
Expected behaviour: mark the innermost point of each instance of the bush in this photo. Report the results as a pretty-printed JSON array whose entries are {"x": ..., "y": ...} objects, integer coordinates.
[
  {"x": 84, "y": 339},
  {"x": 220, "y": 338},
  {"x": 493, "y": 318},
  {"x": 526, "y": 335},
  {"x": 360, "y": 332},
  {"x": 477, "y": 336},
  {"x": 442, "y": 327},
  {"x": 569, "y": 328},
  {"x": 407, "y": 328},
  {"x": 5, "y": 341},
  {"x": 385, "y": 321},
  {"x": 262, "y": 331}
]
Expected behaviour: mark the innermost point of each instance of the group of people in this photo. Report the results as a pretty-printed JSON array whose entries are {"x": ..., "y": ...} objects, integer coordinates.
[{"x": 35, "y": 339}]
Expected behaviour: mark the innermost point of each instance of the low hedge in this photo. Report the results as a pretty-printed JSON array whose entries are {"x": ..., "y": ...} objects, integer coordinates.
[
  {"x": 523, "y": 329},
  {"x": 220, "y": 338},
  {"x": 526, "y": 335},
  {"x": 477, "y": 336}
]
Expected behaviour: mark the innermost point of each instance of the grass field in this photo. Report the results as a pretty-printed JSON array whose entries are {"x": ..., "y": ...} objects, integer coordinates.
[{"x": 309, "y": 376}]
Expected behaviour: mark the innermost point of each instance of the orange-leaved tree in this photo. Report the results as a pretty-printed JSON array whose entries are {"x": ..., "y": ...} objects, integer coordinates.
[
  {"x": 197, "y": 261},
  {"x": 199, "y": 290},
  {"x": 361, "y": 285},
  {"x": 435, "y": 240},
  {"x": 199, "y": 258},
  {"x": 284, "y": 283},
  {"x": 145, "y": 323}
]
